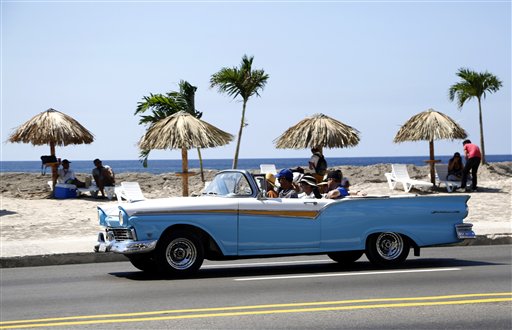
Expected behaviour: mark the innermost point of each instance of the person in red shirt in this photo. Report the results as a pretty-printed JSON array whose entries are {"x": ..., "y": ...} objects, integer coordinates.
[{"x": 473, "y": 157}]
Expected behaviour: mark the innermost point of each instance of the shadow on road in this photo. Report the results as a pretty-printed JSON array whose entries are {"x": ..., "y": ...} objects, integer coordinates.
[{"x": 282, "y": 270}]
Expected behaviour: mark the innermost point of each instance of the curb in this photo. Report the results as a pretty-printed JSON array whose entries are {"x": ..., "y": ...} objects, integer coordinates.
[
  {"x": 91, "y": 257},
  {"x": 60, "y": 259}
]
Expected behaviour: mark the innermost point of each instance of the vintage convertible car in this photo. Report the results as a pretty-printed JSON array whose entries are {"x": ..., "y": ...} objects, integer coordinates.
[{"x": 232, "y": 219}]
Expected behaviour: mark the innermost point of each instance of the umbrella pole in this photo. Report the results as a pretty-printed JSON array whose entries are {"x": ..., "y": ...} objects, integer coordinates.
[
  {"x": 431, "y": 163},
  {"x": 54, "y": 167},
  {"x": 184, "y": 167}
]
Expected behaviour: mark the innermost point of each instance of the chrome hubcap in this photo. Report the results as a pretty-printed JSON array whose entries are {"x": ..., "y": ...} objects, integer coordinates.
[
  {"x": 390, "y": 245},
  {"x": 181, "y": 253}
]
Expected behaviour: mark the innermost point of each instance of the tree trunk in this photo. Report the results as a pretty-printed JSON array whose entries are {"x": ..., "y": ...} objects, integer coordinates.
[
  {"x": 482, "y": 147},
  {"x": 242, "y": 124}
]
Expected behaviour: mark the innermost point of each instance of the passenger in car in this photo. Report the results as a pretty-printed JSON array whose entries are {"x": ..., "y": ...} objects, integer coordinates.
[
  {"x": 346, "y": 184},
  {"x": 271, "y": 184},
  {"x": 336, "y": 190},
  {"x": 285, "y": 177},
  {"x": 309, "y": 188}
]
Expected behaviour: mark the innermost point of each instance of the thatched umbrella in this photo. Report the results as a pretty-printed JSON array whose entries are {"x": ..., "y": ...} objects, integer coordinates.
[
  {"x": 183, "y": 131},
  {"x": 430, "y": 125},
  {"x": 54, "y": 128},
  {"x": 320, "y": 131}
]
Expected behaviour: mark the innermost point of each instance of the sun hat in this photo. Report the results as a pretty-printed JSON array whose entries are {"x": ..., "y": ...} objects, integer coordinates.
[
  {"x": 286, "y": 173},
  {"x": 271, "y": 178},
  {"x": 65, "y": 161},
  {"x": 309, "y": 180}
]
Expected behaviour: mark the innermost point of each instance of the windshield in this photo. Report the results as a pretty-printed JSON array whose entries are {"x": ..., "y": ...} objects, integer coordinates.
[{"x": 229, "y": 184}]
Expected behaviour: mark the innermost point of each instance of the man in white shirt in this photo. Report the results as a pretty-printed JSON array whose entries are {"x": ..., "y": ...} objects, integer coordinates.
[{"x": 67, "y": 175}]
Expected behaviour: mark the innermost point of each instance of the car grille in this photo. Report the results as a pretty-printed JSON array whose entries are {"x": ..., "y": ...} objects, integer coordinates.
[{"x": 120, "y": 234}]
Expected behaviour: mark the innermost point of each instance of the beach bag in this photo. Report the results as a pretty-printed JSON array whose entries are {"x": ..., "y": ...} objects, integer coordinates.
[
  {"x": 45, "y": 160},
  {"x": 321, "y": 165}
]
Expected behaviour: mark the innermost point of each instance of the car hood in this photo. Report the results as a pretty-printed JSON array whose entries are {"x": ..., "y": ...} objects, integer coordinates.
[{"x": 179, "y": 204}]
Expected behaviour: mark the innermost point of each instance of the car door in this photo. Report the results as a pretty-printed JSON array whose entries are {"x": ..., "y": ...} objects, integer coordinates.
[{"x": 278, "y": 225}]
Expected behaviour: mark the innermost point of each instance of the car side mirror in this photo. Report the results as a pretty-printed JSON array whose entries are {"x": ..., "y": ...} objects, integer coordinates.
[{"x": 261, "y": 195}]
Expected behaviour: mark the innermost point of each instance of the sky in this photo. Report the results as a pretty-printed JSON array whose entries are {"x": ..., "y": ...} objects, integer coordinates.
[{"x": 369, "y": 64}]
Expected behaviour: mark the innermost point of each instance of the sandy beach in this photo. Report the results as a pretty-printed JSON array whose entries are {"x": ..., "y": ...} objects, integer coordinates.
[{"x": 28, "y": 213}]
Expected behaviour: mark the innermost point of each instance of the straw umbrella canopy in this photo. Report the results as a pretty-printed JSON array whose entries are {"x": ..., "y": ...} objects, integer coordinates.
[
  {"x": 430, "y": 125},
  {"x": 319, "y": 131},
  {"x": 183, "y": 131},
  {"x": 54, "y": 128}
]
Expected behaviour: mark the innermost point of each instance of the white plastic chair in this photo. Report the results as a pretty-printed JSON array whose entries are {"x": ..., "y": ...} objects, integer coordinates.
[
  {"x": 442, "y": 177},
  {"x": 268, "y": 168},
  {"x": 399, "y": 174},
  {"x": 129, "y": 191}
]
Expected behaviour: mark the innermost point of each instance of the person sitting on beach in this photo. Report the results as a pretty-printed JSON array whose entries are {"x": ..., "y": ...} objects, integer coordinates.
[
  {"x": 455, "y": 167},
  {"x": 271, "y": 184},
  {"x": 336, "y": 190},
  {"x": 309, "y": 188},
  {"x": 67, "y": 175},
  {"x": 317, "y": 163},
  {"x": 103, "y": 176},
  {"x": 285, "y": 177}
]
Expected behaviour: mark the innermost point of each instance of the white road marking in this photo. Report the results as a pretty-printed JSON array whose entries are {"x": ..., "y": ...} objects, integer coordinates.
[{"x": 348, "y": 274}]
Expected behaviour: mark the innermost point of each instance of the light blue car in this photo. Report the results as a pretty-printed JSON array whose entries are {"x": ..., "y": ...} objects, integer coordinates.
[{"x": 233, "y": 219}]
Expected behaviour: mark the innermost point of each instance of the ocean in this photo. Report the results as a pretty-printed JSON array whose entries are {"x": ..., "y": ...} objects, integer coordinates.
[{"x": 158, "y": 166}]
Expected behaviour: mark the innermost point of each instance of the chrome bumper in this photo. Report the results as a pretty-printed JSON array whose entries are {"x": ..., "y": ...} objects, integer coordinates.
[
  {"x": 465, "y": 231},
  {"x": 124, "y": 247}
]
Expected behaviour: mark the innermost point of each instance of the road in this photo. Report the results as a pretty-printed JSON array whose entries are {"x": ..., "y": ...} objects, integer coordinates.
[{"x": 449, "y": 287}]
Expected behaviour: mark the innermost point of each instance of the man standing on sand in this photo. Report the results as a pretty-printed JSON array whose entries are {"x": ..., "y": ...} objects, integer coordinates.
[
  {"x": 318, "y": 163},
  {"x": 473, "y": 158}
]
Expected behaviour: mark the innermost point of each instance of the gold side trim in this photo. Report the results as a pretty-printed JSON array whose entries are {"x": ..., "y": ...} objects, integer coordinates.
[{"x": 274, "y": 213}]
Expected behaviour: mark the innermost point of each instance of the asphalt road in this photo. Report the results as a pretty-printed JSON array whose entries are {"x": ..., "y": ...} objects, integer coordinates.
[{"x": 451, "y": 287}]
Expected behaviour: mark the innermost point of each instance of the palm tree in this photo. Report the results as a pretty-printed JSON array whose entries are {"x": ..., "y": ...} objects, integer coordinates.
[
  {"x": 244, "y": 82},
  {"x": 165, "y": 105},
  {"x": 474, "y": 84}
]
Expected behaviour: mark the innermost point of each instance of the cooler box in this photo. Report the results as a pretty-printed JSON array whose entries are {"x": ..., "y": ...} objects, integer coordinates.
[{"x": 64, "y": 190}]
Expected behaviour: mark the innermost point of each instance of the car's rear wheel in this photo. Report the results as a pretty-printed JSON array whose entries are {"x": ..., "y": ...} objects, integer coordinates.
[
  {"x": 144, "y": 262},
  {"x": 345, "y": 257},
  {"x": 180, "y": 253},
  {"x": 387, "y": 249}
]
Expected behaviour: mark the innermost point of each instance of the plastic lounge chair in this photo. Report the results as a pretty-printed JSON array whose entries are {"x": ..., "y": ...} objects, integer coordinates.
[
  {"x": 399, "y": 174},
  {"x": 129, "y": 191},
  {"x": 442, "y": 177},
  {"x": 268, "y": 168},
  {"x": 93, "y": 190}
]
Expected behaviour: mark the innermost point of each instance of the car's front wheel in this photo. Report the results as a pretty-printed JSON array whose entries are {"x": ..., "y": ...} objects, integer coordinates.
[
  {"x": 143, "y": 261},
  {"x": 345, "y": 257},
  {"x": 387, "y": 249},
  {"x": 180, "y": 253}
]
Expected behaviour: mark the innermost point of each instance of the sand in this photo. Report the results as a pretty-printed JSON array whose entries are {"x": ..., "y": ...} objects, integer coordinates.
[{"x": 28, "y": 213}]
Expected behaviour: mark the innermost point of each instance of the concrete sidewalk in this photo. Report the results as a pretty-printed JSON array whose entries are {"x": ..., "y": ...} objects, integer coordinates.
[{"x": 72, "y": 250}]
